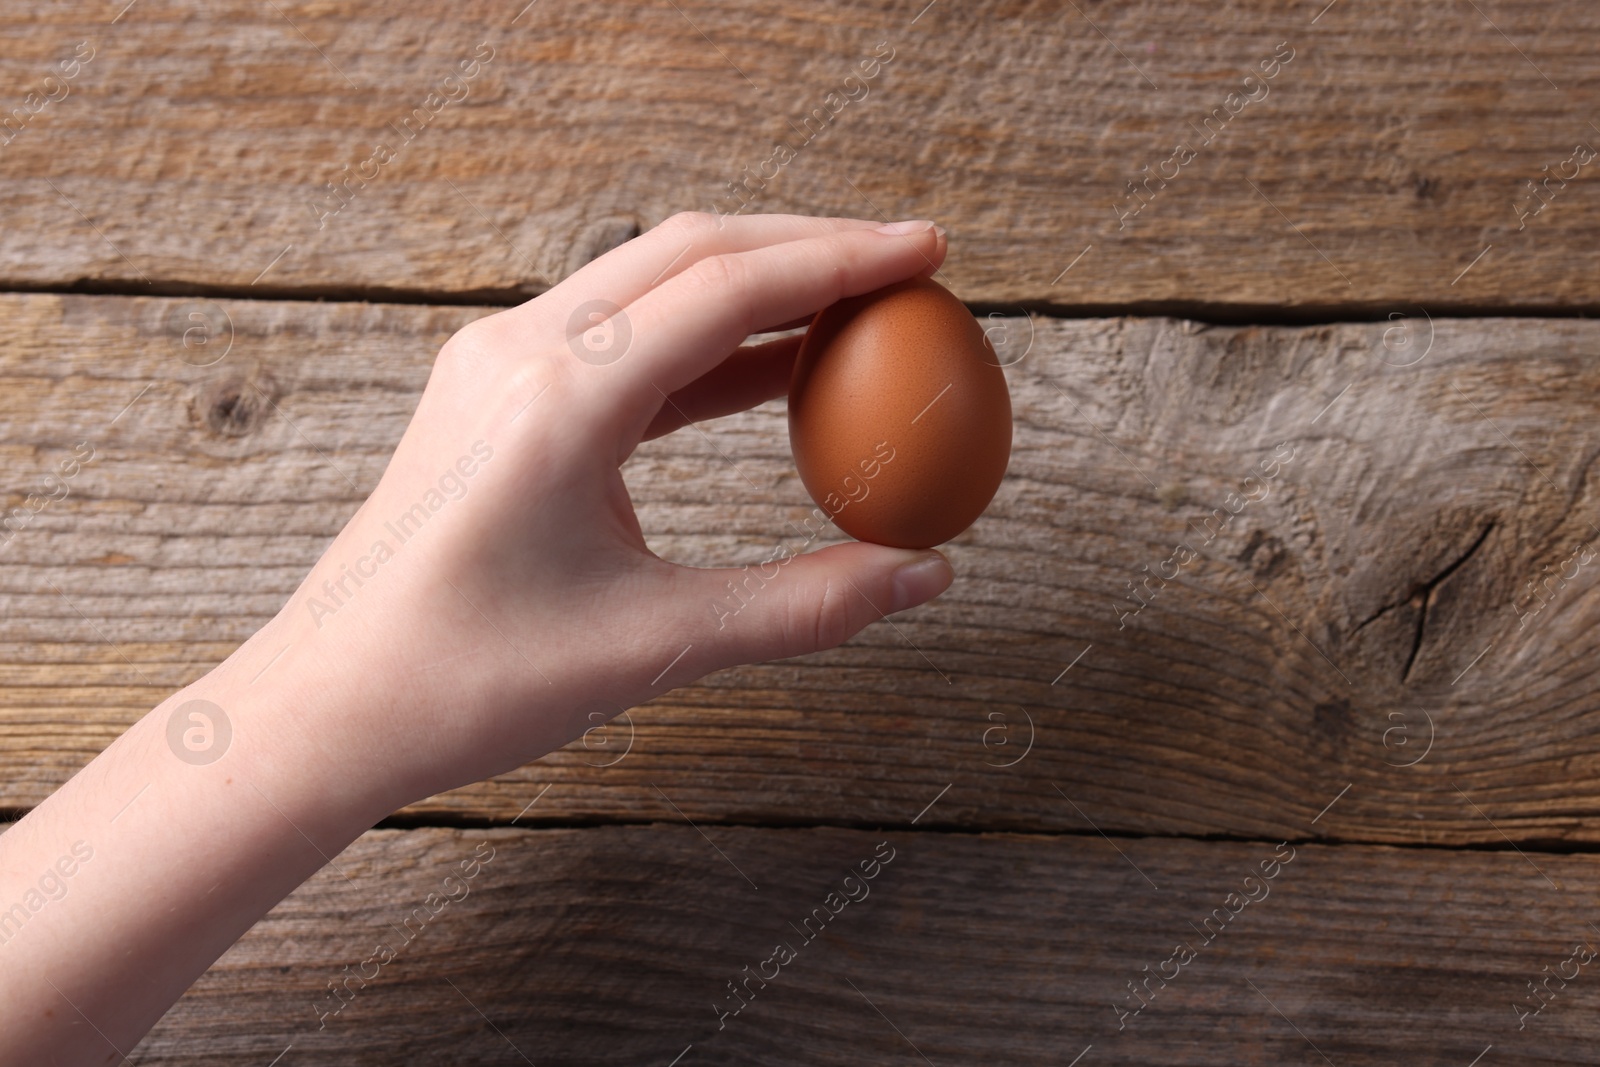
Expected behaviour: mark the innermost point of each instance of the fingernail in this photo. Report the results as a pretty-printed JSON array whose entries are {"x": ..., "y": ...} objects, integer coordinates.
[
  {"x": 919, "y": 581},
  {"x": 903, "y": 229}
]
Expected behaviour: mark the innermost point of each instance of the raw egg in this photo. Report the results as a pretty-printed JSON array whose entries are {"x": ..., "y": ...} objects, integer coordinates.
[{"x": 899, "y": 415}]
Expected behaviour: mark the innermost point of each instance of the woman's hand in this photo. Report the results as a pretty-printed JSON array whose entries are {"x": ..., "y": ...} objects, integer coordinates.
[
  {"x": 492, "y": 592},
  {"x": 496, "y": 588}
]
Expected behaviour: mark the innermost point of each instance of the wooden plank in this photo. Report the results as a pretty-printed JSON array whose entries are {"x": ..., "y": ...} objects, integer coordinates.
[
  {"x": 618, "y": 944},
  {"x": 1353, "y": 634},
  {"x": 1389, "y": 151}
]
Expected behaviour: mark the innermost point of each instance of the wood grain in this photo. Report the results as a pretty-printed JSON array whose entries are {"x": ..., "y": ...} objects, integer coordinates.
[
  {"x": 616, "y": 945},
  {"x": 1350, "y": 641},
  {"x": 1369, "y": 175}
]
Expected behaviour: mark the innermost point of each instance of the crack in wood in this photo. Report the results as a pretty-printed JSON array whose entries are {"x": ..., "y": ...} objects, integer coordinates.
[
  {"x": 1421, "y": 598},
  {"x": 1430, "y": 589}
]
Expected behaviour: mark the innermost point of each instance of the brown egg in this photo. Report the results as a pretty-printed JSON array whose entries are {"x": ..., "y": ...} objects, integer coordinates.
[{"x": 899, "y": 416}]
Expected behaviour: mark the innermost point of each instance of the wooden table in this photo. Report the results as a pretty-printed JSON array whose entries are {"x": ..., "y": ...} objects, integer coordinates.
[{"x": 1293, "y": 328}]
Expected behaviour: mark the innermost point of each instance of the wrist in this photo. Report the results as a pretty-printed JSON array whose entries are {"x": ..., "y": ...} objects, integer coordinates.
[{"x": 295, "y": 721}]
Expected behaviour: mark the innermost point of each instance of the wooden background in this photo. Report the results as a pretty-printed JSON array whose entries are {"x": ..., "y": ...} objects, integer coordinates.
[{"x": 1384, "y": 661}]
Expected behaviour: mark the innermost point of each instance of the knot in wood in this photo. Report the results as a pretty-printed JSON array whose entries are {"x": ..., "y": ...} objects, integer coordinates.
[{"x": 232, "y": 406}]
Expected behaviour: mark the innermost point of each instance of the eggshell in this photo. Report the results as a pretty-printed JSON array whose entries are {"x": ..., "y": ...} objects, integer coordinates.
[{"x": 899, "y": 415}]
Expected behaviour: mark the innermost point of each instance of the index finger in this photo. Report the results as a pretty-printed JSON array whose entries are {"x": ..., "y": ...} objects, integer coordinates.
[
  {"x": 683, "y": 328},
  {"x": 632, "y": 269}
]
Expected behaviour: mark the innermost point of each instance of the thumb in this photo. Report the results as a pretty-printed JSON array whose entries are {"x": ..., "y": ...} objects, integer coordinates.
[{"x": 806, "y": 603}]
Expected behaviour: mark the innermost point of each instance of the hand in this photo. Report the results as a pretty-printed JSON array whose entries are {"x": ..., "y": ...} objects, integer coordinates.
[
  {"x": 492, "y": 592},
  {"x": 496, "y": 590}
]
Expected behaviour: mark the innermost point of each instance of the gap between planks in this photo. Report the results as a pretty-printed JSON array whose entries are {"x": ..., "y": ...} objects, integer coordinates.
[
  {"x": 1201, "y": 311},
  {"x": 10, "y": 816}
]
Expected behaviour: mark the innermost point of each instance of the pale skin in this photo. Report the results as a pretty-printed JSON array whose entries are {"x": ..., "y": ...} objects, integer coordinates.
[{"x": 481, "y": 645}]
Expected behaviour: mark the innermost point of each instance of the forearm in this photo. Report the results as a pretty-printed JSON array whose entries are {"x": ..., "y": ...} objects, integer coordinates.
[{"x": 120, "y": 889}]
